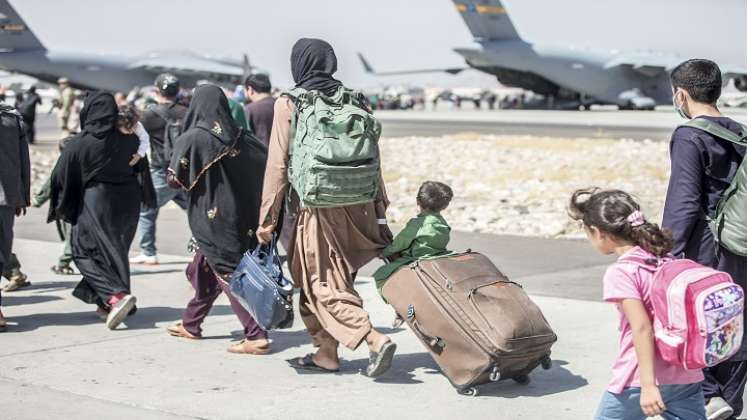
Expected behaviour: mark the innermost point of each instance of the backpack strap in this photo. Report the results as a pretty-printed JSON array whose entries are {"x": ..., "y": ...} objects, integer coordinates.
[
  {"x": 717, "y": 130},
  {"x": 295, "y": 95},
  {"x": 648, "y": 264}
]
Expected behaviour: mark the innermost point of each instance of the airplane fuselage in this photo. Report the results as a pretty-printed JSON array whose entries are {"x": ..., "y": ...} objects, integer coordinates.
[
  {"x": 578, "y": 70},
  {"x": 85, "y": 70}
]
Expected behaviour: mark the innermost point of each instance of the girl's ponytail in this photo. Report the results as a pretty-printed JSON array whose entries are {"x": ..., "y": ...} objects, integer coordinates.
[
  {"x": 616, "y": 213},
  {"x": 652, "y": 238}
]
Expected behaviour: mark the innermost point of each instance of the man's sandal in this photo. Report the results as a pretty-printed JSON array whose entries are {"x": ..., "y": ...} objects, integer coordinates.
[{"x": 307, "y": 363}]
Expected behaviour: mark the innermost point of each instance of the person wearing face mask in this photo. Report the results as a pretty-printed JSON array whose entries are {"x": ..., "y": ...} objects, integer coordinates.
[{"x": 703, "y": 166}]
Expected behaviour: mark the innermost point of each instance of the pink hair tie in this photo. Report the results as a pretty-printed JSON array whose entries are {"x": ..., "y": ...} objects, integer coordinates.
[{"x": 636, "y": 219}]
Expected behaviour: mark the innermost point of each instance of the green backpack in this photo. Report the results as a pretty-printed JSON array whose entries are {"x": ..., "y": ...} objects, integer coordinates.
[
  {"x": 334, "y": 149},
  {"x": 729, "y": 223}
]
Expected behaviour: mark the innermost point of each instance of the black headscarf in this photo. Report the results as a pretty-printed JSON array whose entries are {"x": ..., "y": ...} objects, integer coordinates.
[
  {"x": 99, "y": 114},
  {"x": 313, "y": 62},
  {"x": 209, "y": 111}
]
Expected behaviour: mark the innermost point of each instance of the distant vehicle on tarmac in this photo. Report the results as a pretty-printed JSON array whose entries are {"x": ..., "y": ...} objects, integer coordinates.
[
  {"x": 565, "y": 76},
  {"x": 22, "y": 52}
]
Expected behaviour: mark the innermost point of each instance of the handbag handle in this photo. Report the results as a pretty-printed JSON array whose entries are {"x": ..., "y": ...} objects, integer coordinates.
[{"x": 272, "y": 255}]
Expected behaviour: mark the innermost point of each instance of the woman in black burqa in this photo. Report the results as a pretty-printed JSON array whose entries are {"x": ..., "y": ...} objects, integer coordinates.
[
  {"x": 222, "y": 169},
  {"x": 95, "y": 189}
]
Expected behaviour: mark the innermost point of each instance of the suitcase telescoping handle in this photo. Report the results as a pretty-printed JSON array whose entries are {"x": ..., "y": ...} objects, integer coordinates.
[{"x": 437, "y": 344}]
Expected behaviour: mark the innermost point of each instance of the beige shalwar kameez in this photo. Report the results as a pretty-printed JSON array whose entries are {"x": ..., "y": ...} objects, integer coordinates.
[{"x": 328, "y": 246}]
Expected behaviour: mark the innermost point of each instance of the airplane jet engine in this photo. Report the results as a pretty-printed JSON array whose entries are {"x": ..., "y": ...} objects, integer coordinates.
[{"x": 741, "y": 83}]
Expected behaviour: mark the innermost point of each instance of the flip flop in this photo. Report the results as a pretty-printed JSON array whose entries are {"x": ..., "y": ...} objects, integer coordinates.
[
  {"x": 63, "y": 270},
  {"x": 178, "y": 330},
  {"x": 380, "y": 362},
  {"x": 251, "y": 347},
  {"x": 307, "y": 363}
]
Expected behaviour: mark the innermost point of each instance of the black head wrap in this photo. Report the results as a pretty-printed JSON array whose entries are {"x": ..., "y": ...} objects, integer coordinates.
[
  {"x": 99, "y": 114},
  {"x": 209, "y": 111},
  {"x": 313, "y": 62}
]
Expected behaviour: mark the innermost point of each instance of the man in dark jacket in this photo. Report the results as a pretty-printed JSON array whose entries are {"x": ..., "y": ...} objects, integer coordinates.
[
  {"x": 27, "y": 108},
  {"x": 703, "y": 166},
  {"x": 261, "y": 109},
  {"x": 155, "y": 120},
  {"x": 15, "y": 182}
]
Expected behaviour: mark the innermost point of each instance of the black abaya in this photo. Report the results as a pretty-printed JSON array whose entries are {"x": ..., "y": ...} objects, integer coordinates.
[
  {"x": 95, "y": 188},
  {"x": 222, "y": 169},
  {"x": 102, "y": 238}
]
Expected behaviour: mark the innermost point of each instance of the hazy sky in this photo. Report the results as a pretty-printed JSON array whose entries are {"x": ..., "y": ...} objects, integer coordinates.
[{"x": 393, "y": 34}]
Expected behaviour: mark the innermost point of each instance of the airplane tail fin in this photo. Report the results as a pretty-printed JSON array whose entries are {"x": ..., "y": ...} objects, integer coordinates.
[
  {"x": 487, "y": 19},
  {"x": 367, "y": 67},
  {"x": 15, "y": 35}
]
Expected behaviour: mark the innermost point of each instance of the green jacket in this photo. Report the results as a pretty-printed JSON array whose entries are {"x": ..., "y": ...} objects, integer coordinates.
[
  {"x": 423, "y": 237},
  {"x": 237, "y": 112}
]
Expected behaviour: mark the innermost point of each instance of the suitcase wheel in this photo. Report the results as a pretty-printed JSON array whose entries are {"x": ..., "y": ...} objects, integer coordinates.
[
  {"x": 470, "y": 392},
  {"x": 546, "y": 363},
  {"x": 522, "y": 379}
]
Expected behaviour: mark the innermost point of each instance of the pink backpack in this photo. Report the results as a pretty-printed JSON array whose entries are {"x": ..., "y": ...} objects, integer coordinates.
[{"x": 697, "y": 312}]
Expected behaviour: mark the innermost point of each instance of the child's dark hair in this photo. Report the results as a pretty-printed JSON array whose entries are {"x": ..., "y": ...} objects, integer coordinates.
[
  {"x": 611, "y": 210},
  {"x": 128, "y": 116},
  {"x": 434, "y": 196},
  {"x": 700, "y": 78}
]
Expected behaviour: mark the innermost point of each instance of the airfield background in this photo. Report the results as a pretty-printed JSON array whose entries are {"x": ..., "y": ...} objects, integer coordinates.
[{"x": 393, "y": 34}]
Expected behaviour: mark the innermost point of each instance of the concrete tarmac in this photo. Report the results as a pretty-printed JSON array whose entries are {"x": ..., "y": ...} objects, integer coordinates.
[{"x": 59, "y": 361}]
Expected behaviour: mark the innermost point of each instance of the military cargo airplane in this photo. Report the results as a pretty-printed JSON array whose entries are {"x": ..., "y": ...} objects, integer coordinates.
[
  {"x": 22, "y": 52},
  {"x": 566, "y": 76}
]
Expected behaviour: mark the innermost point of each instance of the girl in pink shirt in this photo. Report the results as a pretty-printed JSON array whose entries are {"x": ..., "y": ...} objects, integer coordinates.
[{"x": 642, "y": 385}]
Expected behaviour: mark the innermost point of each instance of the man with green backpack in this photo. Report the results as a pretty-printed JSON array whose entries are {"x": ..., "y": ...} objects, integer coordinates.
[
  {"x": 324, "y": 162},
  {"x": 706, "y": 205}
]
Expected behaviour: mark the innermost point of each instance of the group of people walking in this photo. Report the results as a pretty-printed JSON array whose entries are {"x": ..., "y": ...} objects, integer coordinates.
[{"x": 236, "y": 183}]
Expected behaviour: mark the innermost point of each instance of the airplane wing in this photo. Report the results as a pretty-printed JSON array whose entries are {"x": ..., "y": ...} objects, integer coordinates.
[
  {"x": 648, "y": 64},
  {"x": 189, "y": 65},
  {"x": 370, "y": 70}
]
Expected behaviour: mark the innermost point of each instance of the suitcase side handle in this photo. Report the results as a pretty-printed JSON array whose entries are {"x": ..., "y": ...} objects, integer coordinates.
[{"x": 437, "y": 344}]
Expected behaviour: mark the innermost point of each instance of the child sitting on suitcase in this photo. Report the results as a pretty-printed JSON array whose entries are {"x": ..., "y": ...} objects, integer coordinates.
[
  {"x": 643, "y": 384},
  {"x": 424, "y": 236}
]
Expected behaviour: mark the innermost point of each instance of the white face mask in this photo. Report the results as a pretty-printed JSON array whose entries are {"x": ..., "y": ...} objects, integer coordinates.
[{"x": 679, "y": 109}]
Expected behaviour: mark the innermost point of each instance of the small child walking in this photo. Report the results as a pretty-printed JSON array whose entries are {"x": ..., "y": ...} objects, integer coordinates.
[
  {"x": 642, "y": 385},
  {"x": 424, "y": 236}
]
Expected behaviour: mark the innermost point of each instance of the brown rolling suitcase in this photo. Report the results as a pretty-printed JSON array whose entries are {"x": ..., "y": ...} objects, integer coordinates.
[{"x": 478, "y": 326}]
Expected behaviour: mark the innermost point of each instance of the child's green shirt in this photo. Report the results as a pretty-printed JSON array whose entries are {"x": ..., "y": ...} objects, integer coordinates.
[{"x": 424, "y": 236}]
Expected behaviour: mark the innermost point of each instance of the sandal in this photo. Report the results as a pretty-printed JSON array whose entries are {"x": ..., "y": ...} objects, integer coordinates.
[
  {"x": 307, "y": 363},
  {"x": 18, "y": 282},
  {"x": 178, "y": 330},
  {"x": 256, "y": 347},
  {"x": 381, "y": 362},
  {"x": 62, "y": 270}
]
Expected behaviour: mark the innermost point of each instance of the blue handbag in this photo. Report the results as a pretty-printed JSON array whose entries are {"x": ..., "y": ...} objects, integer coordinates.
[{"x": 259, "y": 285}]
